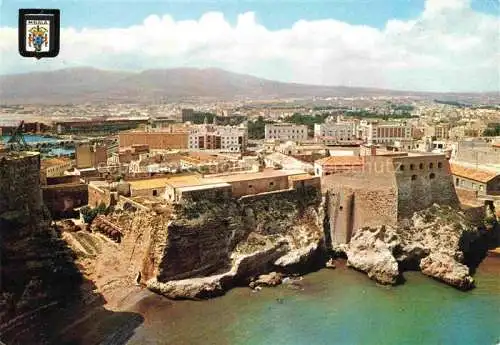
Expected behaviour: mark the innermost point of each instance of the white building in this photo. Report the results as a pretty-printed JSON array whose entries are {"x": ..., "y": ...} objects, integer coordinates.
[
  {"x": 286, "y": 131},
  {"x": 336, "y": 130},
  {"x": 214, "y": 137},
  {"x": 385, "y": 133},
  {"x": 286, "y": 162}
]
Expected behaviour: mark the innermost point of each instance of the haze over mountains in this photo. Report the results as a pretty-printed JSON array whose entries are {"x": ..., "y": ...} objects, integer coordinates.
[{"x": 89, "y": 85}]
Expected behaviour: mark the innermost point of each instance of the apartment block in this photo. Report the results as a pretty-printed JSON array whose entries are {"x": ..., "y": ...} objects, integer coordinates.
[
  {"x": 336, "y": 130},
  {"x": 215, "y": 137},
  {"x": 386, "y": 133},
  {"x": 286, "y": 131}
]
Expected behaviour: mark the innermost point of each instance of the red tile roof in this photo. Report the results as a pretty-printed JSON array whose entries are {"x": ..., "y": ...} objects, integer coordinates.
[
  {"x": 341, "y": 161},
  {"x": 473, "y": 174}
]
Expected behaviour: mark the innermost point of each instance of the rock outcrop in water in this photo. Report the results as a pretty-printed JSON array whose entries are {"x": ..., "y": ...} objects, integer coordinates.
[
  {"x": 436, "y": 241},
  {"x": 371, "y": 251},
  {"x": 448, "y": 270}
]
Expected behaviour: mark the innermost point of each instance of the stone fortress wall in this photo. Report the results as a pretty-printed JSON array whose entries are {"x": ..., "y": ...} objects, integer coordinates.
[
  {"x": 37, "y": 272},
  {"x": 422, "y": 181},
  {"x": 389, "y": 188},
  {"x": 20, "y": 183},
  {"x": 354, "y": 202}
]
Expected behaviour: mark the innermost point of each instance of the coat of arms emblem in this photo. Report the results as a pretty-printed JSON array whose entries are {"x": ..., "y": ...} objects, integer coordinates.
[
  {"x": 39, "y": 33},
  {"x": 38, "y": 37}
]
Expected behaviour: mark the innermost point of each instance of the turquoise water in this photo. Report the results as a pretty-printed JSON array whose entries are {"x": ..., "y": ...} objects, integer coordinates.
[
  {"x": 339, "y": 306},
  {"x": 36, "y": 139},
  {"x": 33, "y": 139}
]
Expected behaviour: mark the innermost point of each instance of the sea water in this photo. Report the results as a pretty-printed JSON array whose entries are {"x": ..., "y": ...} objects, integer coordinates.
[
  {"x": 38, "y": 139},
  {"x": 338, "y": 306}
]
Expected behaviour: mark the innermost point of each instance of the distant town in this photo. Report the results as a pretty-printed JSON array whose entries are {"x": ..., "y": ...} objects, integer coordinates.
[
  {"x": 118, "y": 142},
  {"x": 191, "y": 199}
]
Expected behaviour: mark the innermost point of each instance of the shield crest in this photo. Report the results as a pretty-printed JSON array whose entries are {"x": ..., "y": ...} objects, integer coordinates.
[
  {"x": 39, "y": 33},
  {"x": 38, "y": 37}
]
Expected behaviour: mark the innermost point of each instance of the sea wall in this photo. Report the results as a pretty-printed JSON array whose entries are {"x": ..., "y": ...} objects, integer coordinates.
[{"x": 359, "y": 200}]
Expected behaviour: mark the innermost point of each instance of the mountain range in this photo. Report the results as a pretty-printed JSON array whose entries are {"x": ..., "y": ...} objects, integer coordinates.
[{"x": 90, "y": 85}]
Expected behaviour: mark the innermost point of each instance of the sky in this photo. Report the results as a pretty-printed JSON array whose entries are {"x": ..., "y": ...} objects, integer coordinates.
[{"x": 421, "y": 45}]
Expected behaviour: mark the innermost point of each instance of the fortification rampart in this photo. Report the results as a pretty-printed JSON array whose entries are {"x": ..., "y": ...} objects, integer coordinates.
[
  {"x": 387, "y": 190},
  {"x": 20, "y": 183},
  {"x": 422, "y": 181},
  {"x": 36, "y": 269},
  {"x": 355, "y": 203}
]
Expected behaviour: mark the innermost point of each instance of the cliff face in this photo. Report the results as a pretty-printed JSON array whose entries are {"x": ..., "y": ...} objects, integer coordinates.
[
  {"x": 227, "y": 230},
  {"x": 228, "y": 238},
  {"x": 37, "y": 273}
]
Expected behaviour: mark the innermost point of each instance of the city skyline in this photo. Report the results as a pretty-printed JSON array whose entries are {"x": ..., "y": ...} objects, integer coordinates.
[{"x": 443, "y": 46}]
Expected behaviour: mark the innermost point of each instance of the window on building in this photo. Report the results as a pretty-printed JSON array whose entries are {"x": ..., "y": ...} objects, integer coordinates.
[
  {"x": 402, "y": 167},
  {"x": 457, "y": 182},
  {"x": 440, "y": 165},
  {"x": 412, "y": 166},
  {"x": 432, "y": 175},
  {"x": 271, "y": 184},
  {"x": 481, "y": 188},
  {"x": 421, "y": 166},
  {"x": 413, "y": 177},
  {"x": 155, "y": 192},
  {"x": 431, "y": 165},
  {"x": 250, "y": 186}
]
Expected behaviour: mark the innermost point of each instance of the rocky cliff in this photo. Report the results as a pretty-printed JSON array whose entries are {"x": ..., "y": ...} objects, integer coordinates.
[
  {"x": 201, "y": 248},
  {"x": 441, "y": 241}
]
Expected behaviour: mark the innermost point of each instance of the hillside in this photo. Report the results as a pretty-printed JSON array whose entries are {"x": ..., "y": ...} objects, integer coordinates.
[{"x": 79, "y": 85}]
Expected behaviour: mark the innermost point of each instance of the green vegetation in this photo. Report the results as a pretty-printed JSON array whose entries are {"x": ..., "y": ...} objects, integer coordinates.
[
  {"x": 256, "y": 128},
  {"x": 89, "y": 213},
  {"x": 329, "y": 107},
  {"x": 403, "y": 107},
  {"x": 368, "y": 114},
  {"x": 204, "y": 169},
  {"x": 455, "y": 103},
  {"x": 199, "y": 118},
  {"x": 301, "y": 119},
  {"x": 309, "y": 120},
  {"x": 492, "y": 132}
]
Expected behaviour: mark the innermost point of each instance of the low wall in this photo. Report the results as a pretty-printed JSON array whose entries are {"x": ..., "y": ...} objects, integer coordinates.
[
  {"x": 124, "y": 200},
  {"x": 63, "y": 179},
  {"x": 98, "y": 196}
]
